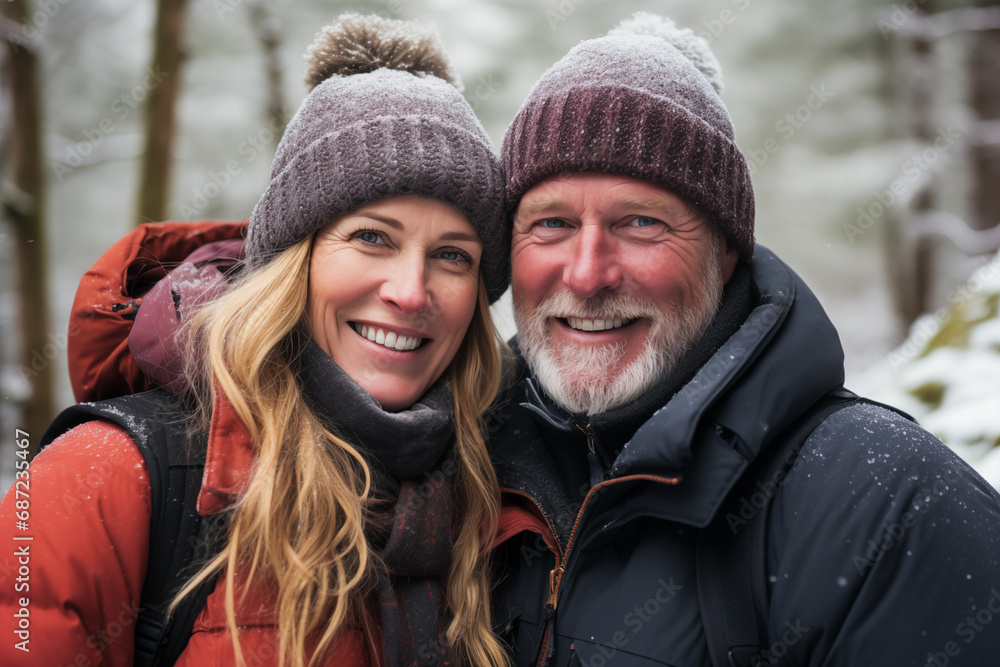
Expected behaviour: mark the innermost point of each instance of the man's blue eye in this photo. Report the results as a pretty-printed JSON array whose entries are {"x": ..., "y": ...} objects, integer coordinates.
[
  {"x": 643, "y": 221},
  {"x": 552, "y": 223}
]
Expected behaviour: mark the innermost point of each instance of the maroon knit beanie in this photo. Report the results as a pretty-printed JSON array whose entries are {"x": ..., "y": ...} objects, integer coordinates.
[
  {"x": 385, "y": 117},
  {"x": 643, "y": 102}
]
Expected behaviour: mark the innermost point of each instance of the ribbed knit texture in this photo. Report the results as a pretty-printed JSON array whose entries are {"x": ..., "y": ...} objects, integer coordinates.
[
  {"x": 369, "y": 136},
  {"x": 633, "y": 105}
]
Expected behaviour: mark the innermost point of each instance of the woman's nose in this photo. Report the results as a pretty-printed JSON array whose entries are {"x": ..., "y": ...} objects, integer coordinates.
[{"x": 406, "y": 285}]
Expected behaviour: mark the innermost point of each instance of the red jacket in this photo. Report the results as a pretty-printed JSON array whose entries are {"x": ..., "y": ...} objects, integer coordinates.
[{"x": 82, "y": 573}]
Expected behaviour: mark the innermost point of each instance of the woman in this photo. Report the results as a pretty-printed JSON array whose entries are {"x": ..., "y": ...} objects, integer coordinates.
[{"x": 339, "y": 387}]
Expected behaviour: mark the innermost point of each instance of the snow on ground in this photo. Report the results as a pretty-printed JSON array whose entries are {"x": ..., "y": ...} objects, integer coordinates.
[{"x": 947, "y": 372}]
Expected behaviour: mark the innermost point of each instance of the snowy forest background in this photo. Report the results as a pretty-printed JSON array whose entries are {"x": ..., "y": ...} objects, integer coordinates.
[{"x": 873, "y": 129}]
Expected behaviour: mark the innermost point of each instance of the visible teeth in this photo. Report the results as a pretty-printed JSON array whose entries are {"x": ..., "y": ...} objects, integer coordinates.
[
  {"x": 392, "y": 340},
  {"x": 595, "y": 325}
]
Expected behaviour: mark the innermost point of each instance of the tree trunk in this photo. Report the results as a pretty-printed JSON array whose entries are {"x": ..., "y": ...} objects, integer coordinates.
[
  {"x": 266, "y": 26},
  {"x": 23, "y": 204},
  {"x": 986, "y": 104},
  {"x": 163, "y": 81}
]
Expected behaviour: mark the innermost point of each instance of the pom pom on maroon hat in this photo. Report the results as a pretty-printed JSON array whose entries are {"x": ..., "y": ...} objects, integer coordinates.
[
  {"x": 642, "y": 101},
  {"x": 385, "y": 117}
]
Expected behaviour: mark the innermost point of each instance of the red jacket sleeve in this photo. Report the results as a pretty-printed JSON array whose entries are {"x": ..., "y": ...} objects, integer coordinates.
[{"x": 70, "y": 593}]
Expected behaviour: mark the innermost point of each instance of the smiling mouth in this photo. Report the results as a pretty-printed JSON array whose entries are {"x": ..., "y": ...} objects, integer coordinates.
[
  {"x": 585, "y": 324},
  {"x": 391, "y": 340}
]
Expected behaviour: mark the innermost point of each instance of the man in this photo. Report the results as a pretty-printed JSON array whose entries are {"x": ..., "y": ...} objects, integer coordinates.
[{"x": 664, "y": 361}]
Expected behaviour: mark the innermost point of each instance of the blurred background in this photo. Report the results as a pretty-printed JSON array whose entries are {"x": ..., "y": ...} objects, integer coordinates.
[{"x": 872, "y": 128}]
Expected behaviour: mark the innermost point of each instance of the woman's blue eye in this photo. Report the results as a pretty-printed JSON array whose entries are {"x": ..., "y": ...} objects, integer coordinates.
[
  {"x": 369, "y": 236},
  {"x": 455, "y": 256}
]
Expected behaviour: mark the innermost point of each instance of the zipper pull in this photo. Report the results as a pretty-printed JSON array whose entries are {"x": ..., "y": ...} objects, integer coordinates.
[{"x": 555, "y": 576}]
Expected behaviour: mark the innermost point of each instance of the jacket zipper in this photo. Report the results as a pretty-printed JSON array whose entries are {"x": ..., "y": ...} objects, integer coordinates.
[
  {"x": 555, "y": 576},
  {"x": 590, "y": 437},
  {"x": 550, "y": 608}
]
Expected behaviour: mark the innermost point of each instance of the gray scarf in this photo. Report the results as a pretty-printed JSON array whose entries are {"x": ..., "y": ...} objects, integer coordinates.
[{"x": 410, "y": 514}]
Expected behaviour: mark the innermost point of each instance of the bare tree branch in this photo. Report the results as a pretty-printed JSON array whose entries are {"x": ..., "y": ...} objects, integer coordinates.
[
  {"x": 944, "y": 225},
  {"x": 13, "y": 33},
  {"x": 941, "y": 24}
]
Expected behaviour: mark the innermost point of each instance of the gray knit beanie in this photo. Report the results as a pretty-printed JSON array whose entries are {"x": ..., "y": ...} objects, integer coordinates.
[
  {"x": 385, "y": 117},
  {"x": 643, "y": 101}
]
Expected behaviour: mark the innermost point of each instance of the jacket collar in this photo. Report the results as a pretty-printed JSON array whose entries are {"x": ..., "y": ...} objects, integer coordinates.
[
  {"x": 229, "y": 459},
  {"x": 784, "y": 357}
]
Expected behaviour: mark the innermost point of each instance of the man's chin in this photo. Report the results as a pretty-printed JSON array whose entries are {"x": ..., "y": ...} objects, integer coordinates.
[{"x": 593, "y": 380}]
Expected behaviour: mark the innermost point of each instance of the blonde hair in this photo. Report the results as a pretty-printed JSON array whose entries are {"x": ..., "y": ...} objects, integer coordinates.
[{"x": 313, "y": 551}]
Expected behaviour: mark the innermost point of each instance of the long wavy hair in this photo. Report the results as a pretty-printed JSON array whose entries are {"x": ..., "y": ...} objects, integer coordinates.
[{"x": 312, "y": 552}]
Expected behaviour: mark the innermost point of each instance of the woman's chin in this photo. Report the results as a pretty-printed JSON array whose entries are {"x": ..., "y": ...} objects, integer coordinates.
[{"x": 395, "y": 395}]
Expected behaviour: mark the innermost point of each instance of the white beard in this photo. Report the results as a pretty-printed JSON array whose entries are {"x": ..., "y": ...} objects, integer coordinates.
[{"x": 592, "y": 379}]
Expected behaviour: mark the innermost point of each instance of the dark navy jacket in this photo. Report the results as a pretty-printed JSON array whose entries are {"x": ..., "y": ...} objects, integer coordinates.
[{"x": 883, "y": 547}]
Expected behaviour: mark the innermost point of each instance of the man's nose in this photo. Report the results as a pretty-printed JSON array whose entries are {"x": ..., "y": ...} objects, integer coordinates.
[
  {"x": 406, "y": 286},
  {"x": 594, "y": 263}
]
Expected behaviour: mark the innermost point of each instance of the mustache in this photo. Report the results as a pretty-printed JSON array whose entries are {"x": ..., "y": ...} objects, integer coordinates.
[{"x": 604, "y": 307}]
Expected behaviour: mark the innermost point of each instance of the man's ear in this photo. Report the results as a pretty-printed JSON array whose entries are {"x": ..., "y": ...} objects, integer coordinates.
[{"x": 729, "y": 258}]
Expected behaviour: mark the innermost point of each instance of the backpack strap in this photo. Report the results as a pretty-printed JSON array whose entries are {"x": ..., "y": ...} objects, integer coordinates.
[
  {"x": 180, "y": 540},
  {"x": 731, "y": 556}
]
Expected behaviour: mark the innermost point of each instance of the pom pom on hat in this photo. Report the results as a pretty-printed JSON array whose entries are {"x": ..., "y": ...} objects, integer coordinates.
[
  {"x": 694, "y": 48},
  {"x": 358, "y": 44}
]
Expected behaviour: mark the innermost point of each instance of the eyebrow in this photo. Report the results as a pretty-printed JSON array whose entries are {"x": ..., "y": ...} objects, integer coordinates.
[
  {"x": 648, "y": 203},
  {"x": 392, "y": 222},
  {"x": 541, "y": 205},
  {"x": 396, "y": 224},
  {"x": 636, "y": 203},
  {"x": 460, "y": 236}
]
